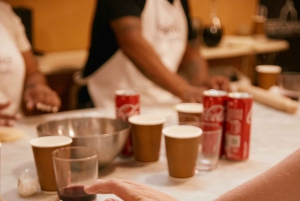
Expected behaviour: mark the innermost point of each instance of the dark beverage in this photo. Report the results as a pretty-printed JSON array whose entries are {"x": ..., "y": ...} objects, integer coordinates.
[
  {"x": 75, "y": 193},
  {"x": 212, "y": 36}
]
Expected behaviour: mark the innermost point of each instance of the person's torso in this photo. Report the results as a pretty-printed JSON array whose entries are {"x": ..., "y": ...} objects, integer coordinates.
[
  {"x": 164, "y": 27},
  {"x": 12, "y": 71}
]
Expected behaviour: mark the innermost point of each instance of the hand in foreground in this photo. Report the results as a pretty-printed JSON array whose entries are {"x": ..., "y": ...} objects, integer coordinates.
[
  {"x": 219, "y": 83},
  {"x": 7, "y": 120},
  {"x": 127, "y": 190},
  {"x": 41, "y": 97}
]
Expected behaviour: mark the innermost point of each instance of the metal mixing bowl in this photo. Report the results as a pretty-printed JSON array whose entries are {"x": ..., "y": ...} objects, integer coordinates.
[{"x": 107, "y": 136}]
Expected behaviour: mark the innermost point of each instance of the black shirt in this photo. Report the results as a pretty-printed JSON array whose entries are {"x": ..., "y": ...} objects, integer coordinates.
[{"x": 103, "y": 42}]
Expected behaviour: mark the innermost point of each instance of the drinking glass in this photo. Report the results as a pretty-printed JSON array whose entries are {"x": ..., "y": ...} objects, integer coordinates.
[{"x": 74, "y": 168}]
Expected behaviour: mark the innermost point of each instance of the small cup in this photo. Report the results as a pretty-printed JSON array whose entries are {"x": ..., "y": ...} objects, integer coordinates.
[
  {"x": 42, "y": 148},
  {"x": 74, "y": 168},
  {"x": 187, "y": 111},
  {"x": 289, "y": 83},
  {"x": 209, "y": 148},
  {"x": 182, "y": 142},
  {"x": 267, "y": 75},
  {"x": 146, "y": 136}
]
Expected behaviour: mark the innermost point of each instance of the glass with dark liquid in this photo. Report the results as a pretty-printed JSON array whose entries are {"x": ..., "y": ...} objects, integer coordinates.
[
  {"x": 74, "y": 193},
  {"x": 74, "y": 168}
]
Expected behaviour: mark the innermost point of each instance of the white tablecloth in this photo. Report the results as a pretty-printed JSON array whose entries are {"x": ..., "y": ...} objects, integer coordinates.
[{"x": 275, "y": 135}]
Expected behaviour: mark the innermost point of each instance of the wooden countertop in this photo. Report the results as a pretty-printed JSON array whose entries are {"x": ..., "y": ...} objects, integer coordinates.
[{"x": 230, "y": 46}]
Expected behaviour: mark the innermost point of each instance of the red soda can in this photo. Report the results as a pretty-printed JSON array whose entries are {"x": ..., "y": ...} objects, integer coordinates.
[
  {"x": 238, "y": 125},
  {"x": 127, "y": 105},
  {"x": 214, "y": 104}
]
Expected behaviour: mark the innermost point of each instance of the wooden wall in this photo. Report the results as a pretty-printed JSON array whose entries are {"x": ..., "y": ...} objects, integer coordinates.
[
  {"x": 60, "y": 24},
  {"x": 65, "y": 24}
]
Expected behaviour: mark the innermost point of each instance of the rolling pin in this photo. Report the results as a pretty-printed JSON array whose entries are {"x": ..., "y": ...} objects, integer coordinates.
[{"x": 266, "y": 97}]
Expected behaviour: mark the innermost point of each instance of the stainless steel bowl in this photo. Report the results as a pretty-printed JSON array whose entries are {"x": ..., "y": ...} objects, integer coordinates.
[{"x": 107, "y": 136}]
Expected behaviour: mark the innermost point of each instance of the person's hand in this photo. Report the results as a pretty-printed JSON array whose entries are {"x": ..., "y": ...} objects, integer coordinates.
[
  {"x": 193, "y": 94},
  {"x": 41, "y": 97},
  {"x": 126, "y": 190},
  {"x": 219, "y": 83},
  {"x": 7, "y": 120}
]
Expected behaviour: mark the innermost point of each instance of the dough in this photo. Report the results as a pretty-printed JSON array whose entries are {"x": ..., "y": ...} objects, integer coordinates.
[{"x": 10, "y": 133}]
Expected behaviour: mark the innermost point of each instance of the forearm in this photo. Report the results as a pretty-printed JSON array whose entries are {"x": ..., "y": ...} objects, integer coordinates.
[
  {"x": 193, "y": 66},
  {"x": 33, "y": 75},
  {"x": 282, "y": 182}
]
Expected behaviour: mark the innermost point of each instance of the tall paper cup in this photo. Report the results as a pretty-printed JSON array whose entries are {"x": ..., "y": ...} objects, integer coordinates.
[
  {"x": 182, "y": 143},
  {"x": 42, "y": 148},
  {"x": 146, "y": 136},
  {"x": 267, "y": 75}
]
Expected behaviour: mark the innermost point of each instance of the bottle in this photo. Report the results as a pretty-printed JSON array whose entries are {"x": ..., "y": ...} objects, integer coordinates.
[{"x": 212, "y": 34}]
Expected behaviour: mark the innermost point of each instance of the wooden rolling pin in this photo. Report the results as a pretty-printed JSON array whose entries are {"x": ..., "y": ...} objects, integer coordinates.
[{"x": 266, "y": 97}]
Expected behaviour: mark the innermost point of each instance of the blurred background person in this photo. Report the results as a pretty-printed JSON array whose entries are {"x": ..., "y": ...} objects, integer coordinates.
[
  {"x": 144, "y": 45},
  {"x": 20, "y": 78}
]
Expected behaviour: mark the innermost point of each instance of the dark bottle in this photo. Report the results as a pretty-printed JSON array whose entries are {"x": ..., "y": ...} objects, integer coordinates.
[{"x": 212, "y": 35}]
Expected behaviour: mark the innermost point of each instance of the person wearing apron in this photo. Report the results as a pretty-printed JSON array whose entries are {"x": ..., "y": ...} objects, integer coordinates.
[
  {"x": 141, "y": 45},
  {"x": 19, "y": 74}
]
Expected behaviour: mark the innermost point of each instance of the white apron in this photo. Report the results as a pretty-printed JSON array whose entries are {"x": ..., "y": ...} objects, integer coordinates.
[
  {"x": 12, "y": 73},
  {"x": 164, "y": 26}
]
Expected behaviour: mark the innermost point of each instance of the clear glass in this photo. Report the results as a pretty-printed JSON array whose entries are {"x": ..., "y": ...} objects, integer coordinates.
[
  {"x": 75, "y": 167},
  {"x": 289, "y": 83},
  {"x": 209, "y": 147}
]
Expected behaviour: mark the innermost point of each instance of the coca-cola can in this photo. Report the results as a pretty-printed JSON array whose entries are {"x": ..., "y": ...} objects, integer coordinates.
[
  {"x": 214, "y": 104},
  {"x": 238, "y": 126},
  {"x": 127, "y": 105}
]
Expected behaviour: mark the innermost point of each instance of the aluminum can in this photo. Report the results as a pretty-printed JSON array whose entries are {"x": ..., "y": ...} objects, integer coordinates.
[
  {"x": 214, "y": 104},
  {"x": 238, "y": 126},
  {"x": 127, "y": 105}
]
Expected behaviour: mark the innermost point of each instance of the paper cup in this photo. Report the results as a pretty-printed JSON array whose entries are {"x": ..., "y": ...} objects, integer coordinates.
[
  {"x": 187, "y": 111},
  {"x": 182, "y": 143},
  {"x": 267, "y": 75},
  {"x": 42, "y": 148},
  {"x": 146, "y": 136}
]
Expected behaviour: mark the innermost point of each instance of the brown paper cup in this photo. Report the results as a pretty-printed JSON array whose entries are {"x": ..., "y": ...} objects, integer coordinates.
[
  {"x": 42, "y": 148},
  {"x": 146, "y": 136},
  {"x": 267, "y": 75},
  {"x": 182, "y": 143},
  {"x": 188, "y": 111}
]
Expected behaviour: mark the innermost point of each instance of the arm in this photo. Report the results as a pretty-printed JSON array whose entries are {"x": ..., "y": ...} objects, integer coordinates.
[
  {"x": 282, "y": 182},
  {"x": 129, "y": 36},
  {"x": 194, "y": 68},
  {"x": 36, "y": 91}
]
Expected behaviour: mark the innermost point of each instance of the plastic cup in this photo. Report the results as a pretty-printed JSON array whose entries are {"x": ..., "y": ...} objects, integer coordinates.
[{"x": 74, "y": 168}]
